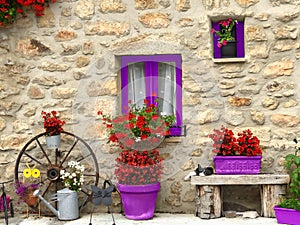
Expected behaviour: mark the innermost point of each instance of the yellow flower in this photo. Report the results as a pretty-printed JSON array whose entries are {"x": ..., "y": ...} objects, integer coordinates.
[
  {"x": 35, "y": 173},
  {"x": 27, "y": 173}
]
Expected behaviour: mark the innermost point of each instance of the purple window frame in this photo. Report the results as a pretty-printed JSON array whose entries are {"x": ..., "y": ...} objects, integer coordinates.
[
  {"x": 240, "y": 47},
  {"x": 152, "y": 68}
]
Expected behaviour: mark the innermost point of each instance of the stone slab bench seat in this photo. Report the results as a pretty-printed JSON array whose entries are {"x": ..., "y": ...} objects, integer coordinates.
[{"x": 209, "y": 200}]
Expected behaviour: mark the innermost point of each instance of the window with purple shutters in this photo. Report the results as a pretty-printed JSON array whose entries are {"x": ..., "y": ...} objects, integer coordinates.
[
  {"x": 239, "y": 35},
  {"x": 157, "y": 78}
]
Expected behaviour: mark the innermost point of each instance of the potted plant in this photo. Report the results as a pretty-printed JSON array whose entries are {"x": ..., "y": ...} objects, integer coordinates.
[
  {"x": 139, "y": 165},
  {"x": 288, "y": 210},
  {"x": 241, "y": 155},
  {"x": 226, "y": 37},
  {"x": 72, "y": 176},
  {"x": 10, "y": 9},
  {"x": 25, "y": 192},
  {"x": 53, "y": 126}
]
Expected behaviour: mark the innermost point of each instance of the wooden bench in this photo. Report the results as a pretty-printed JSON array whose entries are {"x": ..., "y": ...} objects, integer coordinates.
[{"x": 209, "y": 200}]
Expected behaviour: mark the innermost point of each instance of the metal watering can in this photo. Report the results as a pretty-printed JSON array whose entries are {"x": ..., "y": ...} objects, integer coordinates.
[{"x": 67, "y": 204}]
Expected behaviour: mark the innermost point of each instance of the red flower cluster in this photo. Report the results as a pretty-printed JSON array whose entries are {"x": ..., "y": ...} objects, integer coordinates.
[
  {"x": 226, "y": 27},
  {"x": 139, "y": 167},
  {"x": 249, "y": 144},
  {"x": 138, "y": 124},
  {"x": 10, "y": 8},
  {"x": 52, "y": 124},
  {"x": 37, "y": 5},
  {"x": 141, "y": 128},
  {"x": 225, "y": 144},
  {"x": 8, "y": 11}
]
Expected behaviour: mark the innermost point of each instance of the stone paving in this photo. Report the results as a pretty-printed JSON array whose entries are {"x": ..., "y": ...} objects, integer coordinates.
[{"x": 159, "y": 218}]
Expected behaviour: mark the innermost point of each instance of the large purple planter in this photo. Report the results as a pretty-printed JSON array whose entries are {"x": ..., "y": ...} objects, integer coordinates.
[
  {"x": 287, "y": 216},
  {"x": 139, "y": 200},
  {"x": 237, "y": 164}
]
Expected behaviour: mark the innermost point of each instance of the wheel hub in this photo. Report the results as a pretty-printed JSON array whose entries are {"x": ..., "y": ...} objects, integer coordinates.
[{"x": 53, "y": 173}]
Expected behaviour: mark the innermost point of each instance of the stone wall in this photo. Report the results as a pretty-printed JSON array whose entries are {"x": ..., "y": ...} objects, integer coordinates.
[{"x": 68, "y": 60}]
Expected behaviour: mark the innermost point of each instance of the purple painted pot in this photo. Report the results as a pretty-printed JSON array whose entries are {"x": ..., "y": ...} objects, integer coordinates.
[
  {"x": 139, "y": 200},
  {"x": 237, "y": 164},
  {"x": 287, "y": 216},
  {"x": 7, "y": 203}
]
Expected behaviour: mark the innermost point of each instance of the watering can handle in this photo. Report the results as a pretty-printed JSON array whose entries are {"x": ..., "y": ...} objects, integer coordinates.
[{"x": 53, "y": 198}]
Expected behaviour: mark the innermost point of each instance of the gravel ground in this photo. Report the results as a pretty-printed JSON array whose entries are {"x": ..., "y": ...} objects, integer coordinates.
[{"x": 159, "y": 218}]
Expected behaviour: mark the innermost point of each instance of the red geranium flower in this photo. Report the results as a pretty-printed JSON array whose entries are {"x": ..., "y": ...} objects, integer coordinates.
[
  {"x": 52, "y": 124},
  {"x": 140, "y": 123},
  {"x": 9, "y": 9},
  {"x": 226, "y": 144},
  {"x": 141, "y": 128}
]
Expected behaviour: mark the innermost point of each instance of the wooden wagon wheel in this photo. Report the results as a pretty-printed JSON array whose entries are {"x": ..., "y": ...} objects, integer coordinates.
[{"x": 50, "y": 161}]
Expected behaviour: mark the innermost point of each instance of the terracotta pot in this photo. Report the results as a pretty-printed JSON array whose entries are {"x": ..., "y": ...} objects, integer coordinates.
[{"x": 30, "y": 199}]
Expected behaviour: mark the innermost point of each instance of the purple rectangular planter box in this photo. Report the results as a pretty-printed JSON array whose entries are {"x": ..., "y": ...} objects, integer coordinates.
[
  {"x": 287, "y": 216},
  {"x": 237, "y": 164}
]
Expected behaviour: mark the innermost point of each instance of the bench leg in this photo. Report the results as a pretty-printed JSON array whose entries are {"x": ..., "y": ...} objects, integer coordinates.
[
  {"x": 208, "y": 202},
  {"x": 271, "y": 195}
]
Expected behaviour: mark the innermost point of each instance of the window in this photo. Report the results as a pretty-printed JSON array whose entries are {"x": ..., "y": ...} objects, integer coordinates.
[
  {"x": 151, "y": 77},
  {"x": 239, "y": 35}
]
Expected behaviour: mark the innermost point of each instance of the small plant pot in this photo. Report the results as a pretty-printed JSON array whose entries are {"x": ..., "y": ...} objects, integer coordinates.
[
  {"x": 229, "y": 50},
  {"x": 30, "y": 199},
  {"x": 287, "y": 216},
  {"x": 53, "y": 142}
]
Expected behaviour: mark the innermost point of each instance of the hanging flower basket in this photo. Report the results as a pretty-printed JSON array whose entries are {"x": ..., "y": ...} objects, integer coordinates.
[{"x": 53, "y": 142}]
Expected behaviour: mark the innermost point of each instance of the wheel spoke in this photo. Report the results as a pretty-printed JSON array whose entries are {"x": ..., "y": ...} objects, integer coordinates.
[
  {"x": 48, "y": 186},
  {"x": 89, "y": 175},
  {"x": 82, "y": 158},
  {"x": 37, "y": 140},
  {"x": 31, "y": 157},
  {"x": 67, "y": 155}
]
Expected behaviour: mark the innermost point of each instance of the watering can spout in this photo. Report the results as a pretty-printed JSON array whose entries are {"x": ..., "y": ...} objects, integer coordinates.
[{"x": 36, "y": 193}]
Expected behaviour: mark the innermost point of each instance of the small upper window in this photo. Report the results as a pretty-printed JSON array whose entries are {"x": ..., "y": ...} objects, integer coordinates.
[
  {"x": 228, "y": 38},
  {"x": 153, "y": 77}
]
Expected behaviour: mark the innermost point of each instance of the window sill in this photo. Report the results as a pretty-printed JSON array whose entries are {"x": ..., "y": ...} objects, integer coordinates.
[
  {"x": 227, "y": 60},
  {"x": 173, "y": 140}
]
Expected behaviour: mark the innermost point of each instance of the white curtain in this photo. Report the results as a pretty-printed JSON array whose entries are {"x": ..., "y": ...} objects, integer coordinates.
[
  {"x": 167, "y": 87},
  {"x": 136, "y": 83}
]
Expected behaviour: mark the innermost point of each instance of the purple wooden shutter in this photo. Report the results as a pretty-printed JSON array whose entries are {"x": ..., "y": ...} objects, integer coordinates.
[
  {"x": 217, "y": 50},
  {"x": 240, "y": 45}
]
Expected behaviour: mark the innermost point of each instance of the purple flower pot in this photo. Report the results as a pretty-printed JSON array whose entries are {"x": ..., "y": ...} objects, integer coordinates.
[
  {"x": 139, "y": 200},
  {"x": 2, "y": 203},
  {"x": 287, "y": 216},
  {"x": 237, "y": 164}
]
